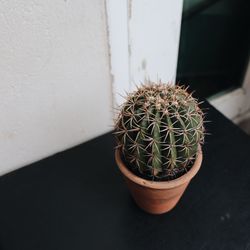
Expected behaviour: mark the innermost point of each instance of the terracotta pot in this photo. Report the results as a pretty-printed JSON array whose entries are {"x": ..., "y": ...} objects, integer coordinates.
[{"x": 157, "y": 197}]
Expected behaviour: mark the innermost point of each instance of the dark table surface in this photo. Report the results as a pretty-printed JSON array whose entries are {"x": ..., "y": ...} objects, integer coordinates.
[{"x": 77, "y": 200}]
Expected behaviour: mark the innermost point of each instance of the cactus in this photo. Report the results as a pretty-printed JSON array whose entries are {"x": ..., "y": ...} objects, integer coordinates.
[{"x": 158, "y": 130}]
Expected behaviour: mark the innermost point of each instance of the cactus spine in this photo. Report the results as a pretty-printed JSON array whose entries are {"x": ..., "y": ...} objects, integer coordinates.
[{"x": 158, "y": 130}]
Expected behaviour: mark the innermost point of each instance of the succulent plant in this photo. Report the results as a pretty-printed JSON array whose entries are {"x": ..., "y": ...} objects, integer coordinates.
[{"x": 159, "y": 129}]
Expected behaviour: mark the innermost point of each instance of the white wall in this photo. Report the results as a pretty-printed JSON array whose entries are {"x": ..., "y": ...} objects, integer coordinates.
[
  {"x": 55, "y": 89},
  {"x": 55, "y": 81}
]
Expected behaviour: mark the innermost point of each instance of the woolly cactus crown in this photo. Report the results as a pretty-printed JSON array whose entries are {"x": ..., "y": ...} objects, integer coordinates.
[{"x": 159, "y": 130}]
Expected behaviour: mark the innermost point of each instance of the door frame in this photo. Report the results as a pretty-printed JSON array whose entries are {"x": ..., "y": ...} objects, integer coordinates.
[{"x": 144, "y": 42}]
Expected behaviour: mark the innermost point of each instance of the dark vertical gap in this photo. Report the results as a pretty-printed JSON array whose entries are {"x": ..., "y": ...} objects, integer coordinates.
[{"x": 214, "y": 45}]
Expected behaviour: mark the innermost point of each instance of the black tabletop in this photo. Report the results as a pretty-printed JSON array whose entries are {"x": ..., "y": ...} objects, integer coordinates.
[{"x": 77, "y": 200}]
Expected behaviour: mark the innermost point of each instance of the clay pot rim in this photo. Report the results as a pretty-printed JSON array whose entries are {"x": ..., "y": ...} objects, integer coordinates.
[{"x": 160, "y": 184}]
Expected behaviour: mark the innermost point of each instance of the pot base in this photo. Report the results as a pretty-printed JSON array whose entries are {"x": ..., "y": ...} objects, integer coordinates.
[{"x": 155, "y": 201}]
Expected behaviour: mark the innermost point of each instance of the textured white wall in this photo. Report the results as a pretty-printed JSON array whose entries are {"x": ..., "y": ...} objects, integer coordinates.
[{"x": 55, "y": 89}]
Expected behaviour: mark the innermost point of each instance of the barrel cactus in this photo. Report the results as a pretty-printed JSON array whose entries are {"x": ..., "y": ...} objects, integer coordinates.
[{"x": 159, "y": 129}]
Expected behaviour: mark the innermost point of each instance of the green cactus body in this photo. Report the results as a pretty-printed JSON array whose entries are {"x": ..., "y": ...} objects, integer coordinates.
[{"x": 159, "y": 129}]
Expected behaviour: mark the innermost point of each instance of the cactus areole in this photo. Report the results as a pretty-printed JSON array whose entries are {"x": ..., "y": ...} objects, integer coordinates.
[{"x": 159, "y": 130}]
